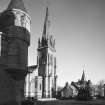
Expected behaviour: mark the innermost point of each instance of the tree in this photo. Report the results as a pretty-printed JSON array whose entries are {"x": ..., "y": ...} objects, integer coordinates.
[{"x": 101, "y": 88}]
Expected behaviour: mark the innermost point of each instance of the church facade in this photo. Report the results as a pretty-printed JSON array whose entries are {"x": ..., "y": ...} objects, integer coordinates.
[{"x": 43, "y": 78}]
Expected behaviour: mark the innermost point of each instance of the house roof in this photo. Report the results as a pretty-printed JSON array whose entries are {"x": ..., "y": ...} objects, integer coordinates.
[{"x": 16, "y": 4}]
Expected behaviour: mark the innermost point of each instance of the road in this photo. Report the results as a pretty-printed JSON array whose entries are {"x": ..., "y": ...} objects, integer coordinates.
[{"x": 71, "y": 102}]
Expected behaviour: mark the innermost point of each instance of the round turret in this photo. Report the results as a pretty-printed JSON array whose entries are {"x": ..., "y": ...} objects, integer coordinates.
[{"x": 15, "y": 26}]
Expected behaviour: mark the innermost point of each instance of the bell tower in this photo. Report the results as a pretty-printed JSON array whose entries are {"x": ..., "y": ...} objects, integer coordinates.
[
  {"x": 47, "y": 59},
  {"x": 15, "y": 40}
]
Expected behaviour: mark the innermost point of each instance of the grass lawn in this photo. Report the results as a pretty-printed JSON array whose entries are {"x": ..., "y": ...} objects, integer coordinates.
[{"x": 71, "y": 102}]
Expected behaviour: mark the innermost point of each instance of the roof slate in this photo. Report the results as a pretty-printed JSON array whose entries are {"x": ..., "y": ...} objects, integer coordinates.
[{"x": 16, "y": 4}]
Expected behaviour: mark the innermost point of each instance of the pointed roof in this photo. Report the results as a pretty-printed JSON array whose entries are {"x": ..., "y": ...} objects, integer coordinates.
[
  {"x": 16, "y": 4},
  {"x": 83, "y": 78},
  {"x": 46, "y": 22}
]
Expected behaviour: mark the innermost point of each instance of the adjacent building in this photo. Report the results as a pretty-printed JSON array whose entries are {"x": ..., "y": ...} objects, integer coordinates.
[
  {"x": 15, "y": 40},
  {"x": 68, "y": 91}
]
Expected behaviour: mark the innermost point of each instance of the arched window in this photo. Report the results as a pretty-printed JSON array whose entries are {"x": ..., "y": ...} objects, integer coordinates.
[
  {"x": 36, "y": 84},
  {"x": 23, "y": 21},
  {"x": 40, "y": 87}
]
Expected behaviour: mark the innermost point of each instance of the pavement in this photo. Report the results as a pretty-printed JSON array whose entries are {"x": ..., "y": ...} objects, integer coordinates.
[
  {"x": 47, "y": 99},
  {"x": 70, "y": 102}
]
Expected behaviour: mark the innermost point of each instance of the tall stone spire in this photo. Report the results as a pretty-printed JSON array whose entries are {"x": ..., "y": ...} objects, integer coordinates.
[
  {"x": 47, "y": 23},
  {"x": 16, "y": 4},
  {"x": 83, "y": 79}
]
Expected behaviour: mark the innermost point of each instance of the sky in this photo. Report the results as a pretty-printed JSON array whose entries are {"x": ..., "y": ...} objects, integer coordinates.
[{"x": 79, "y": 29}]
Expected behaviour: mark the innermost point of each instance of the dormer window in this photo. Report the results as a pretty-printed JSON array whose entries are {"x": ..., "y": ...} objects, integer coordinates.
[{"x": 23, "y": 21}]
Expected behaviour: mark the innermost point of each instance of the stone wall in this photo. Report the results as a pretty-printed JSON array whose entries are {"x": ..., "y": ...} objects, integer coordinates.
[{"x": 11, "y": 91}]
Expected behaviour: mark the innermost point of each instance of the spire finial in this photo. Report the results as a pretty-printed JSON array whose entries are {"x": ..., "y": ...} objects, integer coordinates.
[{"x": 47, "y": 3}]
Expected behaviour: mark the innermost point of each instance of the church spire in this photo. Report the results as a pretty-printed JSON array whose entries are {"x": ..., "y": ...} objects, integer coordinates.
[
  {"x": 46, "y": 23},
  {"x": 83, "y": 79},
  {"x": 16, "y": 4}
]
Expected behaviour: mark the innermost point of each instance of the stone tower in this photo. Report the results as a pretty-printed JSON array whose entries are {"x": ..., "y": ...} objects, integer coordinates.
[
  {"x": 47, "y": 59},
  {"x": 15, "y": 39}
]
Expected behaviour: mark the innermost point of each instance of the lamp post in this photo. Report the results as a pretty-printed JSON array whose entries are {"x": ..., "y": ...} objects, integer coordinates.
[{"x": 0, "y": 42}]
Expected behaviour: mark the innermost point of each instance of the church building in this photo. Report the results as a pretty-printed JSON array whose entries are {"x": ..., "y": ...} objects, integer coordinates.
[{"x": 42, "y": 80}]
